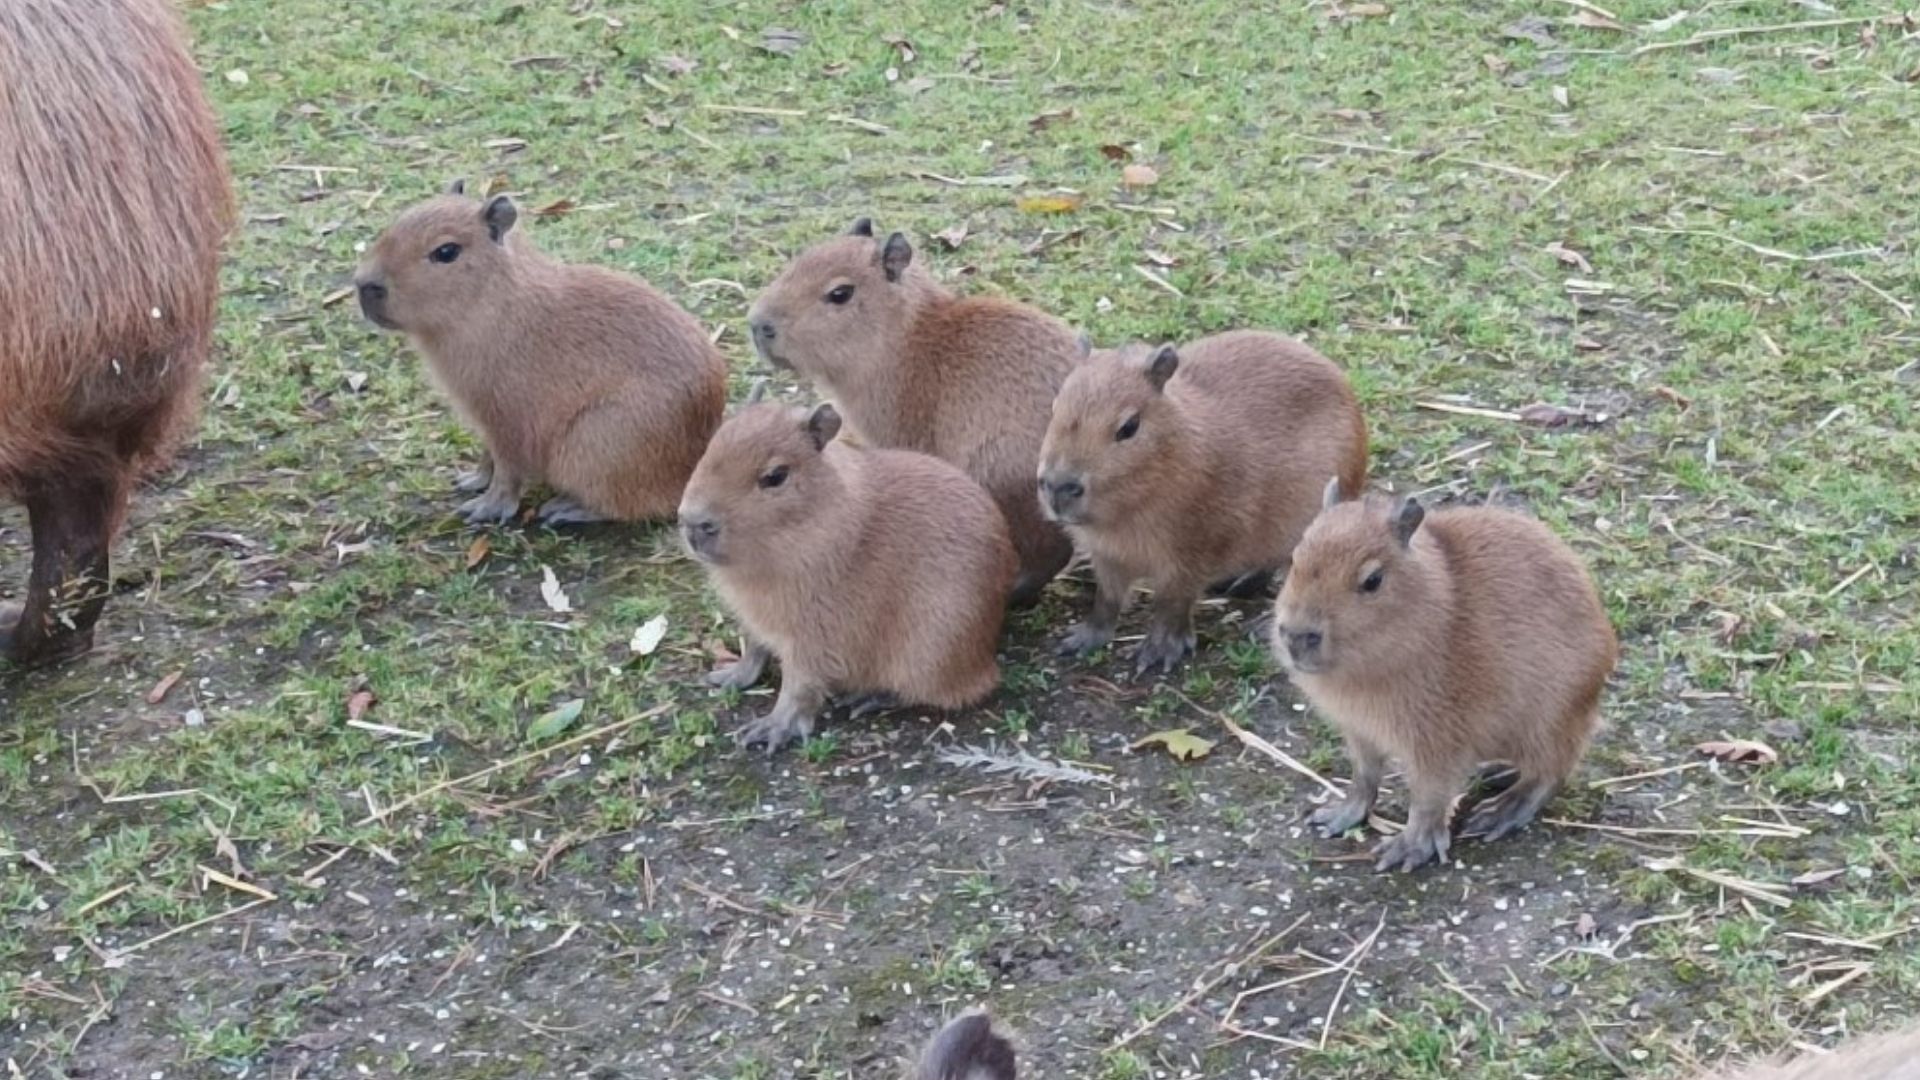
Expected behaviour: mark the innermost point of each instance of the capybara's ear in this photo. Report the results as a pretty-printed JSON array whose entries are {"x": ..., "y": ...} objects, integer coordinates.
[
  {"x": 1166, "y": 361},
  {"x": 500, "y": 215},
  {"x": 457, "y": 187},
  {"x": 823, "y": 424},
  {"x": 895, "y": 256},
  {"x": 1332, "y": 495},
  {"x": 1407, "y": 517},
  {"x": 861, "y": 227}
]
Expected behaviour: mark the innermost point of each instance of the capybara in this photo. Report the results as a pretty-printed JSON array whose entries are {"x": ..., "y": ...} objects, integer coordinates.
[
  {"x": 1892, "y": 1056},
  {"x": 967, "y": 1048},
  {"x": 1184, "y": 467},
  {"x": 968, "y": 379},
  {"x": 1446, "y": 640},
  {"x": 867, "y": 572},
  {"x": 581, "y": 377},
  {"x": 117, "y": 201}
]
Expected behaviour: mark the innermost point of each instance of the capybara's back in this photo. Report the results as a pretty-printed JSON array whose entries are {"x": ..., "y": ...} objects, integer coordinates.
[{"x": 116, "y": 195}]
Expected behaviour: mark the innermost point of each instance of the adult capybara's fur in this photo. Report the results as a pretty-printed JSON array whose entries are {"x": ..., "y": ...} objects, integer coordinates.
[
  {"x": 1185, "y": 467},
  {"x": 117, "y": 201},
  {"x": 968, "y": 379},
  {"x": 1447, "y": 640},
  {"x": 1894, "y": 1056},
  {"x": 585, "y": 378},
  {"x": 865, "y": 571}
]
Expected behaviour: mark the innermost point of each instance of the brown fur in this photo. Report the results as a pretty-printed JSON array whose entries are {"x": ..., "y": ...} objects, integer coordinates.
[
  {"x": 1893, "y": 1056},
  {"x": 866, "y": 571},
  {"x": 1483, "y": 640},
  {"x": 579, "y": 376},
  {"x": 1222, "y": 477},
  {"x": 112, "y": 173},
  {"x": 968, "y": 1048},
  {"x": 914, "y": 367}
]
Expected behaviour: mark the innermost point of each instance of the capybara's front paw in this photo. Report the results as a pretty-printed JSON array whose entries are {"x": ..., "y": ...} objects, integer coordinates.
[
  {"x": 473, "y": 481},
  {"x": 1083, "y": 640},
  {"x": 489, "y": 510},
  {"x": 1413, "y": 848},
  {"x": 739, "y": 675},
  {"x": 1163, "y": 650},
  {"x": 565, "y": 510},
  {"x": 775, "y": 730},
  {"x": 1336, "y": 818}
]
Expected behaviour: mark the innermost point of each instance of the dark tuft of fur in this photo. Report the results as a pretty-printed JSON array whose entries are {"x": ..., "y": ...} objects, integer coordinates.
[{"x": 968, "y": 1048}]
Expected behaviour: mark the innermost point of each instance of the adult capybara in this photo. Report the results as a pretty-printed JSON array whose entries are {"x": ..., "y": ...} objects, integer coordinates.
[{"x": 116, "y": 200}]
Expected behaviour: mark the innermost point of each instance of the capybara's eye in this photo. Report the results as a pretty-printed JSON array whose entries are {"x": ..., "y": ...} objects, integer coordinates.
[
  {"x": 774, "y": 477},
  {"x": 1128, "y": 430},
  {"x": 445, "y": 253},
  {"x": 1373, "y": 580},
  {"x": 840, "y": 294}
]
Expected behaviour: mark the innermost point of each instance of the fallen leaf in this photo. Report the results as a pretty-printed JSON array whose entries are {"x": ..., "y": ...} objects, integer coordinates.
[
  {"x": 1161, "y": 258},
  {"x": 648, "y": 637},
  {"x": 1560, "y": 97},
  {"x": 160, "y": 689},
  {"x": 1139, "y": 176},
  {"x": 905, "y": 47},
  {"x": 1587, "y": 344},
  {"x": 659, "y": 122},
  {"x": 356, "y": 381},
  {"x": 1496, "y": 64},
  {"x": 555, "y": 208},
  {"x": 1593, "y": 20},
  {"x": 358, "y": 703},
  {"x": 1116, "y": 152},
  {"x": 1585, "y": 927},
  {"x": 1569, "y": 257},
  {"x": 478, "y": 551},
  {"x": 1050, "y": 204},
  {"x": 1682, "y": 401},
  {"x": 1184, "y": 745},
  {"x": 678, "y": 65},
  {"x": 552, "y": 593},
  {"x": 1740, "y": 751},
  {"x": 1049, "y": 118},
  {"x": 555, "y": 721},
  {"x": 1534, "y": 28},
  {"x": 953, "y": 237},
  {"x": 1817, "y": 877},
  {"x": 1541, "y": 414},
  {"x": 782, "y": 42}
]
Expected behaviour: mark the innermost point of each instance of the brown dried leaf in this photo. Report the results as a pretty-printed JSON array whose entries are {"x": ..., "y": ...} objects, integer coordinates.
[
  {"x": 555, "y": 208},
  {"x": 953, "y": 237},
  {"x": 1161, "y": 258},
  {"x": 1542, "y": 414},
  {"x": 905, "y": 47},
  {"x": 1184, "y": 745},
  {"x": 1496, "y": 64},
  {"x": 478, "y": 551},
  {"x": 1739, "y": 751},
  {"x": 1049, "y": 118},
  {"x": 1116, "y": 152},
  {"x": 1051, "y": 204},
  {"x": 1593, "y": 20},
  {"x": 1817, "y": 877},
  {"x": 165, "y": 686},
  {"x": 1568, "y": 256},
  {"x": 359, "y": 702},
  {"x": 1139, "y": 176},
  {"x": 781, "y": 42},
  {"x": 659, "y": 122},
  {"x": 1730, "y": 627},
  {"x": 1679, "y": 399}
]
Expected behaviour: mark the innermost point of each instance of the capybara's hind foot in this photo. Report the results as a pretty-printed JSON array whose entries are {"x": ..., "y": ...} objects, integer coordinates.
[
  {"x": 868, "y": 704},
  {"x": 1415, "y": 847},
  {"x": 489, "y": 510},
  {"x": 1164, "y": 649},
  {"x": 565, "y": 510},
  {"x": 473, "y": 481},
  {"x": 1509, "y": 812},
  {"x": 1335, "y": 818},
  {"x": 18, "y": 652},
  {"x": 1083, "y": 639},
  {"x": 775, "y": 730}
]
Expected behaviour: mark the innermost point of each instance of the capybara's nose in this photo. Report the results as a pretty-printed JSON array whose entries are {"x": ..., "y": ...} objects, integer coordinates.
[
  {"x": 1062, "y": 493},
  {"x": 763, "y": 331},
  {"x": 699, "y": 527},
  {"x": 1303, "y": 644},
  {"x": 372, "y": 292}
]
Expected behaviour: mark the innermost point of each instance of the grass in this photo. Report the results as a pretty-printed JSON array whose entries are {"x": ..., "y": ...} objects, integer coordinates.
[{"x": 1410, "y": 193}]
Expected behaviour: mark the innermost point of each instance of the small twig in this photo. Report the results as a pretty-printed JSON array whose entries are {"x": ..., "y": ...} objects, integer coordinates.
[
  {"x": 1257, "y": 743},
  {"x": 863, "y": 125},
  {"x": 1724, "y": 881},
  {"x": 1595, "y": 8},
  {"x": 1158, "y": 280},
  {"x": 1905, "y": 309},
  {"x": 1228, "y": 968},
  {"x": 1851, "y": 578},
  {"x": 722, "y": 999},
  {"x": 1759, "y": 249},
  {"x": 1468, "y": 410},
  {"x": 1768, "y": 832},
  {"x": 1648, "y": 775},
  {"x": 102, "y": 899},
  {"x": 1825, "y": 990},
  {"x": 1352, "y": 964},
  {"x": 194, "y": 925},
  {"x": 1705, "y": 36},
  {"x": 531, "y": 755},
  {"x": 754, "y": 110}
]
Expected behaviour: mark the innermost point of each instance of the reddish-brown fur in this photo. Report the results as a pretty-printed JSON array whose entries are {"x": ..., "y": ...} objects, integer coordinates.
[
  {"x": 1221, "y": 478},
  {"x": 865, "y": 571},
  {"x": 914, "y": 367},
  {"x": 579, "y": 376},
  {"x": 1894, "y": 1056},
  {"x": 116, "y": 192},
  {"x": 1482, "y": 639}
]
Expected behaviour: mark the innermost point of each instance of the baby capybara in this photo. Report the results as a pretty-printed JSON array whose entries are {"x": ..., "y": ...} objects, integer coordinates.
[
  {"x": 969, "y": 1047},
  {"x": 1447, "y": 640},
  {"x": 115, "y": 192},
  {"x": 869, "y": 573},
  {"x": 583, "y": 377},
  {"x": 968, "y": 379}
]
